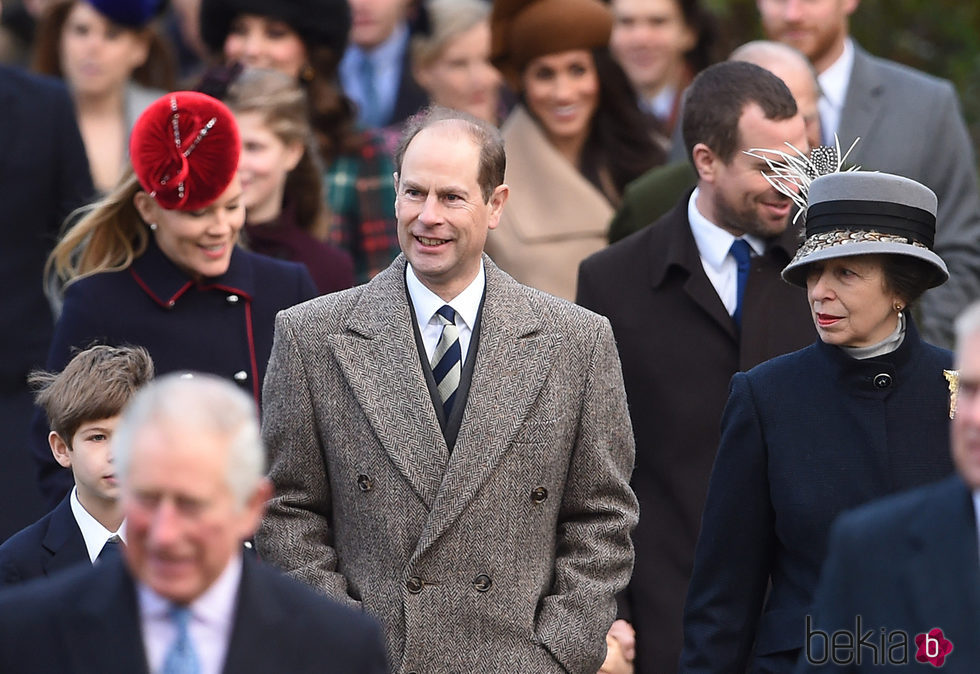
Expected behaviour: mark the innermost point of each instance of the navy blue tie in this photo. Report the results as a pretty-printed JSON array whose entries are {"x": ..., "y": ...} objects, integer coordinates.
[
  {"x": 112, "y": 549},
  {"x": 447, "y": 360},
  {"x": 742, "y": 253}
]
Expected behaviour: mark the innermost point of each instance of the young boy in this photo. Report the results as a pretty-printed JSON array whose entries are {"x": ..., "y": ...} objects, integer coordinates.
[{"x": 83, "y": 403}]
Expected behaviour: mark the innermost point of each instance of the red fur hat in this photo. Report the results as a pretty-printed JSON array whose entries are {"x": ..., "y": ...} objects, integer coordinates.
[{"x": 184, "y": 149}]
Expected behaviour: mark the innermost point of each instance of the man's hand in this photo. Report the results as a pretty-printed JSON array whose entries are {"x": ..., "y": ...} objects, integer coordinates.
[{"x": 620, "y": 649}]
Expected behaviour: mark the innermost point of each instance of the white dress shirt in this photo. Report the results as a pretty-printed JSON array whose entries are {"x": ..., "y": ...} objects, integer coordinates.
[
  {"x": 426, "y": 303},
  {"x": 212, "y": 618},
  {"x": 833, "y": 89},
  {"x": 713, "y": 245},
  {"x": 976, "y": 508},
  {"x": 94, "y": 534}
]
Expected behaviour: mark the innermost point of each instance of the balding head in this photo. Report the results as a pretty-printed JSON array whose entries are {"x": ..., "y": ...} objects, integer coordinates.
[{"x": 793, "y": 68}]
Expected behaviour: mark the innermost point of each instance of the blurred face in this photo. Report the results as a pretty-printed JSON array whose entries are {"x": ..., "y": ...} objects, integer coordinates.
[
  {"x": 649, "y": 39},
  {"x": 965, "y": 429},
  {"x": 199, "y": 242},
  {"x": 183, "y": 522},
  {"x": 801, "y": 83},
  {"x": 815, "y": 27},
  {"x": 461, "y": 76},
  {"x": 261, "y": 42},
  {"x": 739, "y": 199},
  {"x": 562, "y": 93},
  {"x": 443, "y": 219},
  {"x": 264, "y": 165},
  {"x": 97, "y": 55},
  {"x": 850, "y": 302},
  {"x": 90, "y": 461},
  {"x": 373, "y": 21}
]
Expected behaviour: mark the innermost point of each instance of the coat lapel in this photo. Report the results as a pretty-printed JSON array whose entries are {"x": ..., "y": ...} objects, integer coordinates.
[
  {"x": 101, "y": 623},
  {"x": 512, "y": 363},
  {"x": 258, "y": 614},
  {"x": 682, "y": 254},
  {"x": 943, "y": 577},
  {"x": 63, "y": 540},
  {"x": 380, "y": 361},
  {"x": 862, "y": 104}
]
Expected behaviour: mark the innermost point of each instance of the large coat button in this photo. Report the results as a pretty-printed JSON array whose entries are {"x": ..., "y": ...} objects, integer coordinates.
[
  {"x": 241, "y": 375},
  {"x": 364, "y": 483},
  {"x": 482, "y": 582},
  {"x": 232, "y": 299},
  {"x": 883, "y": 380},
  {"x": 539, "y": 494},
  {"x": 414, "y": 584}
]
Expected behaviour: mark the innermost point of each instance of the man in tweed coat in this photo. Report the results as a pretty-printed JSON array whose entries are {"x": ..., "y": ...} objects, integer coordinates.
[{"x": 489, "y": 534}]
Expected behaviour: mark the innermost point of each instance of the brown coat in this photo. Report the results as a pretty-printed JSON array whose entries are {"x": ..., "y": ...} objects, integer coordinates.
[{"x": 679, "y": 349}]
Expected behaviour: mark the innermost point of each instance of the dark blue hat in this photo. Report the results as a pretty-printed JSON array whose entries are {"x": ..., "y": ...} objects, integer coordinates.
[{"x": 129, "y": 13}]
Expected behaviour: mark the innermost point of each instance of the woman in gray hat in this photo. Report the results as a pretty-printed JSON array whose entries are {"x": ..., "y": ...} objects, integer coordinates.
[{"x": 861, "y": 413}]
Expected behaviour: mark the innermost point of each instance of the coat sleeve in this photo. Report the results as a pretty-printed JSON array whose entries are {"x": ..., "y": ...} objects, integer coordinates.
[
  {"x": 832, "y": 601},
  {"x": 594, "y": 552},
  {"x": 952, "y": 174},
  {"x": 733, "y": 557},
  {"x": 295, "y": 534}
]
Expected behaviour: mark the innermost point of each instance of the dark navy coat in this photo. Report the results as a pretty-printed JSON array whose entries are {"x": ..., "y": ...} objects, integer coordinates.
[
  {"x": 221, "y": 325},
  {"x": 49, "y": 545},
  {"x": 805, "y": 437},
  {"x": 906, "y": 563},
  {"x": 44, "y": 176},
  {"x": 87, "y": 620}
]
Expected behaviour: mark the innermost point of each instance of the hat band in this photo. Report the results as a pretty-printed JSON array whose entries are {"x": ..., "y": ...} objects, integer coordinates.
[{"x": 913, "y": 223}]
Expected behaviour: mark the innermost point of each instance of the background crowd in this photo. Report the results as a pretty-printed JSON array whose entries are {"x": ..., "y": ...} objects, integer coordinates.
[{"x": 634, "y": 188}]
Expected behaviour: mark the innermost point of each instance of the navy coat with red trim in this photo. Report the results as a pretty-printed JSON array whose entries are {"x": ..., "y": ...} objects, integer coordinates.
[{"x": 221, "y": 325}]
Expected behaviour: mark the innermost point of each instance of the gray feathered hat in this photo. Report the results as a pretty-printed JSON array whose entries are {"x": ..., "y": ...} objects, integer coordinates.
[{"x": 853, "y": 212}]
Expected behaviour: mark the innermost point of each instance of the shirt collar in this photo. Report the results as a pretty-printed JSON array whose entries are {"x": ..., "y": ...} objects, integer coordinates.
[
  {"x": 834, "y": 80},
  {"x": 466, "y": 304},
  {"x": 714, "y": 242},
  {"x": 166, "y": 283},
  {"x": 215, "y": 607},
  {"x": 93, "y": 533}
]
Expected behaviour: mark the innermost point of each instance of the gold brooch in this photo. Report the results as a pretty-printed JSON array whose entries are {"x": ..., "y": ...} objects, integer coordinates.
[{"x": 953, "y": 377}]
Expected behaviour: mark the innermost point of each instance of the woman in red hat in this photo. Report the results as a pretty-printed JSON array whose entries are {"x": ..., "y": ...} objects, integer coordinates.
[
  {"x": 156, "y": 263},
  {"x": 115, "y": 64},
  {"x": 305, "y": 39},
  {"x": 573, "y": 143}
]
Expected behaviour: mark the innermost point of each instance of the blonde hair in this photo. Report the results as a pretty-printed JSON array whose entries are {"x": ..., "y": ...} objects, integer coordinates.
[
  {"x": 108, "y": 237},
  {"x": 282, "y": 104},
  {"x": 447, "y": 18}
]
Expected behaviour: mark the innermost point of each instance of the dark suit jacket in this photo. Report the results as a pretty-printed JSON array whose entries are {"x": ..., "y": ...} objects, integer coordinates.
[
  {"x": 805, "y": 437},
  {"x": 44, "y": 176},
  {"x": 679, "y": 348},
  {"x": 87, "y": 620},
  {"x": 49, "y": 545},
  {"x": 221, "y": 326},
  {"x": 909, "y": 563},
  {"x": 910, "y": 124}
]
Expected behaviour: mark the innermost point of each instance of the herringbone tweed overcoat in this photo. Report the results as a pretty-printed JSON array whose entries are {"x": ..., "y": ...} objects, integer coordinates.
[{"x": 500, "y": 556}]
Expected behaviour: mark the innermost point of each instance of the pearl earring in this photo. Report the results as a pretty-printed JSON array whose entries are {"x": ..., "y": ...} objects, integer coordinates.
[{"x": 153, "y": 226}]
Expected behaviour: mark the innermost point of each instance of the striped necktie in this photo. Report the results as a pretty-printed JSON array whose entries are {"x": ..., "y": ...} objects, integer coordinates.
[{"x": 446, "y": 361}]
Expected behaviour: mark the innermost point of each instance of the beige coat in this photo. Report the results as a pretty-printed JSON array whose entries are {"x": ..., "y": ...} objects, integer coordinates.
[{"x": 554, "y": 218}]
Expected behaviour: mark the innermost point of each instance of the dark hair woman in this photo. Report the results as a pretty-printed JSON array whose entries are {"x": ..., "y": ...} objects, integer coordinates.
[
  {"x": 155, "y": 263},
  {"x": 305, "y": 39},
  {"x": 573, "y": 143},
  {"x": 861, "y": 413}
]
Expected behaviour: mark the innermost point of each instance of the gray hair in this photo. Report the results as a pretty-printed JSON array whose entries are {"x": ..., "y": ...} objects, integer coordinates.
[
  {"x": 448, "y": 19},
  {"x": 202, "y": 403},
  {"x": 966, "y": 325}
]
